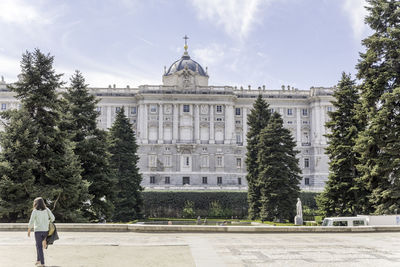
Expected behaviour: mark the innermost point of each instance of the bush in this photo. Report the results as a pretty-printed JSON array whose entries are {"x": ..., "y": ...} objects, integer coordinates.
[
  {"x": 171, "y": 204},
  {"x": 188, "y": 210}
]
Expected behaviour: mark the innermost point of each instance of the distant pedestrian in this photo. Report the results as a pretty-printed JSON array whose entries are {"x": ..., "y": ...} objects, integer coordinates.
[{"x": 40, "y": 218}]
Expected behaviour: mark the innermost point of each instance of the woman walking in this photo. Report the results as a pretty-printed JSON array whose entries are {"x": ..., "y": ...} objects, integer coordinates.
[{"x": 40, "y": 218}]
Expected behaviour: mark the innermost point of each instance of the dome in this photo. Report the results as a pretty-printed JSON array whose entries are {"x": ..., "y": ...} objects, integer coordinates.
[{"x": 185, "y": 60}]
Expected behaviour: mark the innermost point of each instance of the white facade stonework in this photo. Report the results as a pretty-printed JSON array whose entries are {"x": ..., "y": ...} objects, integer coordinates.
[{"x": 193, "y": 136}]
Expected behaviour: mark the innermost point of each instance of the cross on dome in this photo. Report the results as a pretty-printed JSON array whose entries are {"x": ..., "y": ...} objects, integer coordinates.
[{"x": 186, "y": 38}]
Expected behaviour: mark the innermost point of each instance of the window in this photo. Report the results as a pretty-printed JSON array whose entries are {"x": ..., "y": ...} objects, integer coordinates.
[
  {"x": 117, "y": 109},
  {"x": 185, "y": 180},
  {"x": 238, "y": 122},
  {"x": 305, "y": 122},
  {"x": 152, "y": 179},
  {"x": 305, "y": 112},
  {"x": 219, "y": 109},
  {"x": 358, "y": 223},
  {"x": 237, "y": 111},
  {"x": 3, "y": 106},
  {"x": 167, "y": 180},
  {"x": 271, "y": 110},
  {"x": 219, "y": 119},
  {"x": 329, "y": 109},
  {"x": 307, "y": 181},
  {"x": 204, "y": 161},
  {"x": 238, "y": 138},
  {"x": 219, "y": 161},
  {"x": 152, "y": 161},
  {"x": 204, "y": 149},
  {"x": 167, "y": 149},
  {"x": 186, "y": 108},
  {"x": 290, "y": 122},
  {"x": 167, "y": 161},
  {"x": 219, "y": 180},
  {"x": 187, "y": 161},
  {"x": 204, "y": 180},
  {"x": 239, "y": 181},
  {"x": 340, "y": 223},
  {"x": 153, "y": 108},
  {"x": 289, "y": 112},
  {"x": 98, "y": 110},
  {"x": 238, "y": 162},
  {"x": 306, "y": 163},
  {"x": 133, "y": 110}
]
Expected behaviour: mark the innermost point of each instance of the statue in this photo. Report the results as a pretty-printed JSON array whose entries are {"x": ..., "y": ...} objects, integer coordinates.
[
  {"x": 299, "y": 209},
  {"x": 298, "y": 220}
]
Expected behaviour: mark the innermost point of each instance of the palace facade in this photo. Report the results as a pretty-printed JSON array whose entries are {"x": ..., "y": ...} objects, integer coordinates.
[{"x": 192, "y": 135}]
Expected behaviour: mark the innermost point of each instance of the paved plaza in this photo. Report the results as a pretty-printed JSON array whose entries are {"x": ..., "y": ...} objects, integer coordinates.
[{"x": 205, "y": 249}]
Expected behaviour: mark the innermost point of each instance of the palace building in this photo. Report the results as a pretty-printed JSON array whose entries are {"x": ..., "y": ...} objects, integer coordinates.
[{"x": 192, "y": 135}]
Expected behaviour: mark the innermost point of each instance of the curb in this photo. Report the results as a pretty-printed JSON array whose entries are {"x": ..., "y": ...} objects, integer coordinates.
[{"x": 91, "y": 227}]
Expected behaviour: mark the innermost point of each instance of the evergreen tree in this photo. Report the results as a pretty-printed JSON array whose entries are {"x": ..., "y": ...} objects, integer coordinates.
[
  {"x": 57, "y": 170},
  {"x": 382, "y": 174},
  {"x": 256, "y": 121},
  {"x": 278, "y": 171},
  {"x": 341, "y": 193},
  {"x": 378, "y": 70},
  {"x": 91, "y": 147},
  {"x": 124, "y": 159},
  {"x": 16, "y": 166}
]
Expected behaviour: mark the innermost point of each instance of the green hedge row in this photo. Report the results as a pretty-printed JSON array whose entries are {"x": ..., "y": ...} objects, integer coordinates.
[{"x": 174, "y": 204}]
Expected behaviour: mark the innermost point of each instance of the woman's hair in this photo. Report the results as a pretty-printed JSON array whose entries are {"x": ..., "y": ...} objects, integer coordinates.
[{"x": 38, "y": 204}]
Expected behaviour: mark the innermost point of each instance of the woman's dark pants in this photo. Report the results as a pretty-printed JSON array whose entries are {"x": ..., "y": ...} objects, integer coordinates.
[{"x": 39, "y": 237}]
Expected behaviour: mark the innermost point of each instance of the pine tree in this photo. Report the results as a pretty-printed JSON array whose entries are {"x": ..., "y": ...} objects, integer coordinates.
[
  {"x": 91, "y": 147},
  {"x": 383, "y": 131},
  {"x": 16, "y": 166},
  {"x": 378, "y": 70},
  {"x": 278, "y": 171},
  {"x": 57, "y": 170},
  {"x": 256, "y": 120},
  {"x": 341, "y": 193},
  {"x": 124, "y": 159}
]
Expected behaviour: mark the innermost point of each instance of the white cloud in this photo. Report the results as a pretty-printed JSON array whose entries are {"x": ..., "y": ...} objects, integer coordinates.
[
  {"x": 20, "y": 12},
  {"x": 355, "y": 10},
  {"x": 237, "y": 17},
  {"x": 209, "y": 55},
  {"x": 9, "y": 68}
]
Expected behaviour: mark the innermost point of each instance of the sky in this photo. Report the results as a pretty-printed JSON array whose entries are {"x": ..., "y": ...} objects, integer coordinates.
[{"x": 300, "y": 43}]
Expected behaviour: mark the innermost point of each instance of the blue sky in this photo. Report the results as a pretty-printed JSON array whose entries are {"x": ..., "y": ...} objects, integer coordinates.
[{"x": 301, "y": 43}]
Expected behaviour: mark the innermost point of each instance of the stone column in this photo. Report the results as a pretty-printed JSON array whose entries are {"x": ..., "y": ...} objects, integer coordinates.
[
  {"x": 298, "y": 127},
  {"x": 160, "y": 124},
  {"x": 244, "y": 126},
  {"x": 322, "y": 125},
  {"x": 228, "y": 124},
  {"x": 212, "y": 138},
  {"x": 196, "y": 124},
  {"x": 145, "y": 138},
  {"x": 109, "y": 122},
  {"x": 175, "y": 123}
]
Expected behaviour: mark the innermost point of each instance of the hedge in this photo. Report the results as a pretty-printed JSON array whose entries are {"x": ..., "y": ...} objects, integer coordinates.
[{"x": 223, "y": 204}]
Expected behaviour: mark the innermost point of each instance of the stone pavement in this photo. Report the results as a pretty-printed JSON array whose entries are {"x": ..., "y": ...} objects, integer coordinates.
[{"x": 205, "y": 249}]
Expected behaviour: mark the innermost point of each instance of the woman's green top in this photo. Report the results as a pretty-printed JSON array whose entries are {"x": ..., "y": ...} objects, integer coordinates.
[{"x": 40, "y": 220}]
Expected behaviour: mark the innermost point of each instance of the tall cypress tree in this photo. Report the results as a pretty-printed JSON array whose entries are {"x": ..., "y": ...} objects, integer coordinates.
[
  {"x": 124, "y": 159},
  {"x": 256, "y": 120},
  {"x": 379, "y": 71},
  {"x": 278, "y": 171},
  {"x": 341, "y": 193},
  {"x": 91, "y": 147},
  {"x": 57, "y": 170}
]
